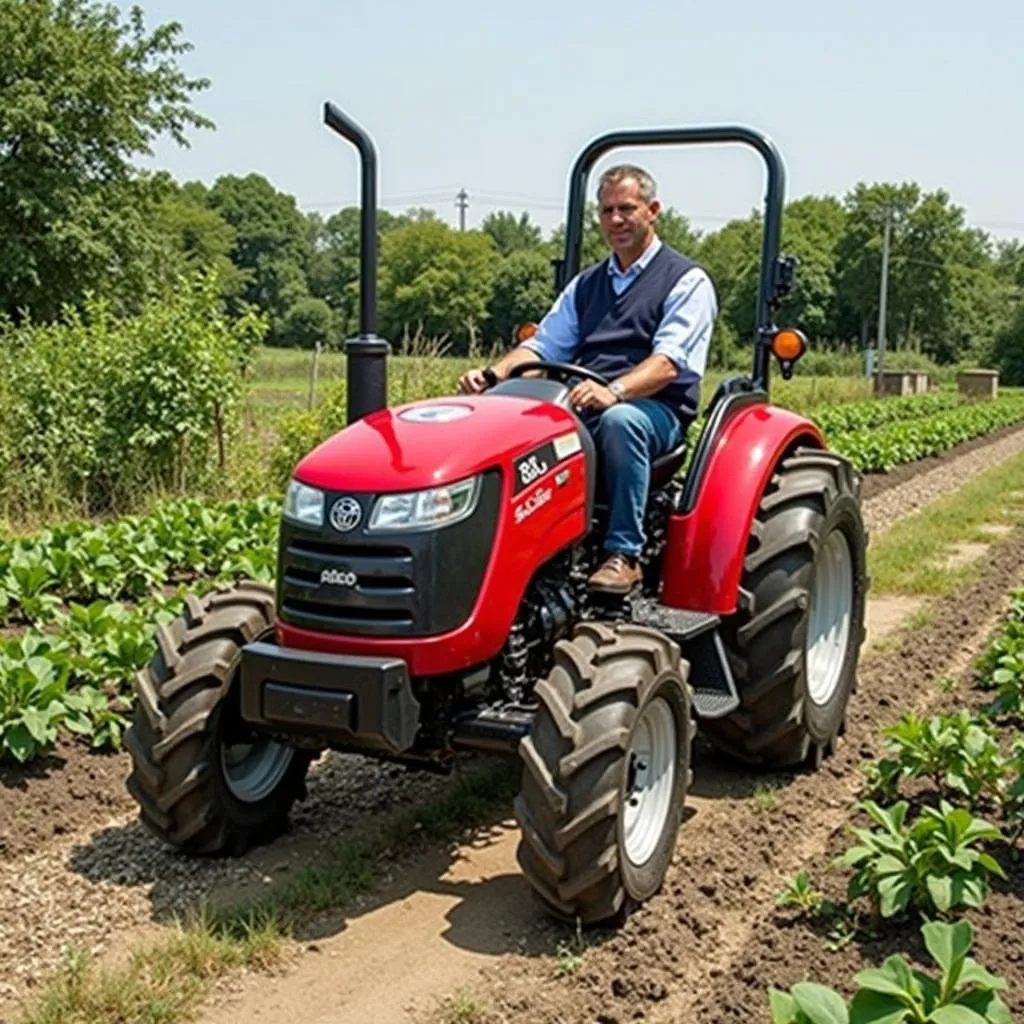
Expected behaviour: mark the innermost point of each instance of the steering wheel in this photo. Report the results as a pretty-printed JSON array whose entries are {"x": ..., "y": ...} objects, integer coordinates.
[{"x": 560, "y": 371}]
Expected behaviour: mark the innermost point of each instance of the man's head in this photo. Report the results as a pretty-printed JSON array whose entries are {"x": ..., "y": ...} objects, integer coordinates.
[{"x": 628, "y": 207}]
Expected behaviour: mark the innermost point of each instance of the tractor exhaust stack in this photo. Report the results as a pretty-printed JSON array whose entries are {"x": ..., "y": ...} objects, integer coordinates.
[{"x": 366, "y": 354}]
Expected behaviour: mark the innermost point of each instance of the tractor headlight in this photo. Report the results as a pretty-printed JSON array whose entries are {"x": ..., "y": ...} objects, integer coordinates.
[
  {"x": 304, "y": 504},
  {"x": 425, "y": 510}
]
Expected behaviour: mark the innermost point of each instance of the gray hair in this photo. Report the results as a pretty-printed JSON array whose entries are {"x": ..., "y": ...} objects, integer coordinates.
[{"x": 648, "y": 186}]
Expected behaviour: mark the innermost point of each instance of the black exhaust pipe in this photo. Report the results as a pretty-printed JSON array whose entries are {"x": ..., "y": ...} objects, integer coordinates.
[{"x": 366, "y": 354}]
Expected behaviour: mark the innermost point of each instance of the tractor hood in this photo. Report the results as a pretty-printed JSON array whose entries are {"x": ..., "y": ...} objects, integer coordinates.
[{"x": 432, "y": 443}]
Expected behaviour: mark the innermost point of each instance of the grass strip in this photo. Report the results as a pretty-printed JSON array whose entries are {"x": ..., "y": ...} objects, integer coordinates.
[
  {"x": 165, "y": 981},
  {"x": 913, "y": 555}
]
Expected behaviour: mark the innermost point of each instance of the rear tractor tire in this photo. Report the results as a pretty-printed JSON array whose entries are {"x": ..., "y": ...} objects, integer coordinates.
[
  {"x": 794, "y": 644},
  {"x": 203, "y": 783},
  {"x": 606, "y": 768}
]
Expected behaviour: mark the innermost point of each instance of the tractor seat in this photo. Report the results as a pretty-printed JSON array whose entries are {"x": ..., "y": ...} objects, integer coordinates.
[{"x": 666, "y": 466}]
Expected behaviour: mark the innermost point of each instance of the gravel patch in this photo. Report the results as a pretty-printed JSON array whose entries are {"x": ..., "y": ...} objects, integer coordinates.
[
  {"x": 105, "y": 879},
  {"x": 89, "y": 887},
  {"x": 903, "y": 500}
]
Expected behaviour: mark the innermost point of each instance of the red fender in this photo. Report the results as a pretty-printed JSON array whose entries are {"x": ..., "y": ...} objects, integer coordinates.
[{"x": 705, "y": 547}]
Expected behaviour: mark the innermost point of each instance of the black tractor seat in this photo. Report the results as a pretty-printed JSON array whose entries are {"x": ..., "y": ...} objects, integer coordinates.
[{"x": 666, "y": 466}]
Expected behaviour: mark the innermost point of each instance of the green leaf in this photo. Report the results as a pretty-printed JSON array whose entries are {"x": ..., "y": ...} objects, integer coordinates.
[
  {"x": 19, "y": 742},
  {"x": 974, "y": 974},
  {"x": 892, "y": 978},
  {"x": 940, "y": 888},
  {"x": 783, "y": 1007},
  {"x": 948, "y": 944},
  {"x": 955, "y": 1015},
  {"x": 894, "y": 895},
  {"x": 870, "y": 1007},
  {"x": 39, "y": 725},
  {"x": 986, "y": 1005},
  {"x": 821, "y": 1005}
]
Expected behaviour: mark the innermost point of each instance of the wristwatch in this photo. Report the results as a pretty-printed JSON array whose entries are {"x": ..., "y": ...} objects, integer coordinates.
[{"x": 617, "y": 390}]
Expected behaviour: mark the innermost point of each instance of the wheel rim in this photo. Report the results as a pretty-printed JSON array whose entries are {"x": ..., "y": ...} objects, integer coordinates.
[
  {"x": 252, "y": 771},
  {"x": 828, "y": 631},
  {"x": 650, "y": 779}
]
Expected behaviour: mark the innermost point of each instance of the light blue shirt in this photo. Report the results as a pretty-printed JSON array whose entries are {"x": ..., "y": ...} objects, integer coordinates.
[{"x": 683, "y": 335}]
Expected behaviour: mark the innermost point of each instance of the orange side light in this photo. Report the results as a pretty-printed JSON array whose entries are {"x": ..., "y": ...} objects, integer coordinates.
[
  {"x": 524, "y": 332},
  {"x": 788, "y": 345}
]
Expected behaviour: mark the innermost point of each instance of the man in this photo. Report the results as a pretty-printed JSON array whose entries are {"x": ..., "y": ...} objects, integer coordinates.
[{"x": 643, "y": 319}]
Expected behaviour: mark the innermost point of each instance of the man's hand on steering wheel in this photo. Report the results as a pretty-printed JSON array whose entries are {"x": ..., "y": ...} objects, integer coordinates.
[
  {"x": 589, "y": 395},
  {"x": 473, "y": 382}
]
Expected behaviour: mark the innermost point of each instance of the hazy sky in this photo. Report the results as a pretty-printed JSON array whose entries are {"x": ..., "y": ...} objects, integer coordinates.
[{"x": 500, "y": 99}]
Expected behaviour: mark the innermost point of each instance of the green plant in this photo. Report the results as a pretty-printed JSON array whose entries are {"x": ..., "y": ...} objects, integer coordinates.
[
  {"x": 569, "y": 953},
  {"x": 957, "y": 752},
  {"x": 31, "y": 696},
  {"x": 934, "y": 864},
  {"x": 98, "y": 716},
  {"x": 880, "y": 448},
  {"x": 801, "y": 894},
  {"x": 895, "y": 993}
]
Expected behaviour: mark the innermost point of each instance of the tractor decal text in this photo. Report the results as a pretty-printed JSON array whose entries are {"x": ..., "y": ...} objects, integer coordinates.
[
  {"x": 535, "y": 501},
  {"x": 338, "y": 578}
]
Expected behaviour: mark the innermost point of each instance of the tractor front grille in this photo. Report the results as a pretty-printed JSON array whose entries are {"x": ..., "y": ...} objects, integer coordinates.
[{"x": 417, "y": 584}]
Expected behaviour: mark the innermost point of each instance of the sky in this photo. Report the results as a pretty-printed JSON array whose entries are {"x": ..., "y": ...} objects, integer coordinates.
[{"x": 499, "y": 99}]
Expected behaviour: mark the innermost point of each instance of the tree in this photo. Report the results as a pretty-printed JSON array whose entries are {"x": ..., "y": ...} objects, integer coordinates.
[
  {"x": 731, "y": 257},
  {"x": 674, "y": 229},
  {"x": 198, "y": 238},
  {"x": 83, "y": 93},
  {"x": 271, "y": 243},
  {"x": 308, "y": 322},
  {"x": 523, "y": 289},
  {"x": 860, "y": 251},
  {"x": 435, "y": 279},
  {"x": 333, "y": 268},
  {"x": 593, "y": 247},
  {"x": 1008, "y": 350},
  {"x": 511, "y": 234}
]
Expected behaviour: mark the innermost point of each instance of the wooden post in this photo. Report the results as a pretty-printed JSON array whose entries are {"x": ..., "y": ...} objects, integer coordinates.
[
  {"x": 312, "y": 376},
  {"x": 218, "y": 423}
]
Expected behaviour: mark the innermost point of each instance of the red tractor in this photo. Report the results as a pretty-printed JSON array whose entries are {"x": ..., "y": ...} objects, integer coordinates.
[{"x": 431, "y": 598}]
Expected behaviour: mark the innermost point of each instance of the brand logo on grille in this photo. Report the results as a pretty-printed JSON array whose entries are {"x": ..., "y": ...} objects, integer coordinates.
[
  {"x": 346, "y": 514},
  {"x": 338, "y": 578}
]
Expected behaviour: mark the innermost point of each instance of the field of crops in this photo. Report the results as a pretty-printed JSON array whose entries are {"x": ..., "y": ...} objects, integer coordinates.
[
  {"x": 81, "y": 602},
  {"x": 941, "y": 818}
]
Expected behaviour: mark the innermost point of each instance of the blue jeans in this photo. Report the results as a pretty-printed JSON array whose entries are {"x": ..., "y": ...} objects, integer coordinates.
[{"x": 629, "y": 436}]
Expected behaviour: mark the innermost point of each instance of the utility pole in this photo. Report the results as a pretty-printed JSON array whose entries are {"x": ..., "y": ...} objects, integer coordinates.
[
  {"x": 883, "y": 297},
  {"x": 462, "y": 202}
]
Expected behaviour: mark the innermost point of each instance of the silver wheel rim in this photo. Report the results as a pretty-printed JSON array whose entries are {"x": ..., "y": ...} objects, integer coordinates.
[
  {"x": 828, "y": 631},
  {"x": 252, "y": 771},
  {"x": 650, "y": 779}
]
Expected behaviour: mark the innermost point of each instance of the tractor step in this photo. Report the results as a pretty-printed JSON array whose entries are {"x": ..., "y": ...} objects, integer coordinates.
[
  {"x": 696, "y": 633},
  {"x": 496, "y": 730},
  {"x": 677, "y": 625}
]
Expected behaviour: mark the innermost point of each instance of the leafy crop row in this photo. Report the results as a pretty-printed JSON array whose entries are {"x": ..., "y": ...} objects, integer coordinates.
[
  {"x": 136, "y": 555},
  {"x": 933, "y": 862},
  {"x": 878, "y": 450},
  {"x": 847, "y": 417}
]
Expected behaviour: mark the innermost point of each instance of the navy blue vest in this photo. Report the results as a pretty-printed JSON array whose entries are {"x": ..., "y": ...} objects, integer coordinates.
[{"x": 616, "y": 331}]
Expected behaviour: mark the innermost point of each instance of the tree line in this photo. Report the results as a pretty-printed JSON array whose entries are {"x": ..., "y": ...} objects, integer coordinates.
[{"x": 84, "y": 92}]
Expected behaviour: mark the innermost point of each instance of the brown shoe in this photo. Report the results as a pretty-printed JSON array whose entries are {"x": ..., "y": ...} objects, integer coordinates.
[{"x": 616, "y": 576}]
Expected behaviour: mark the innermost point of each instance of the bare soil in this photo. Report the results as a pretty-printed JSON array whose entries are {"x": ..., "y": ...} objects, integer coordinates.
[
  {"x": 706, "y": 950},
  {"x": 57, "y": 795},
  {"x": 446, "y": 920}
]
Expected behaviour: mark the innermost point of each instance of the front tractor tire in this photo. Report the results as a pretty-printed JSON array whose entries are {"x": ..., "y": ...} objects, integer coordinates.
[
  {"x": 202, "y": 783},
  {"x": 606, "y": 767},
  {"x": 794, "y": 644}
]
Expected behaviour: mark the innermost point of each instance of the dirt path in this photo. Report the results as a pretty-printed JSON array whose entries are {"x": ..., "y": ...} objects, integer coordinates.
[
  {"x": 475, "y": 917},
  {"x": 449, "y": 918}
]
